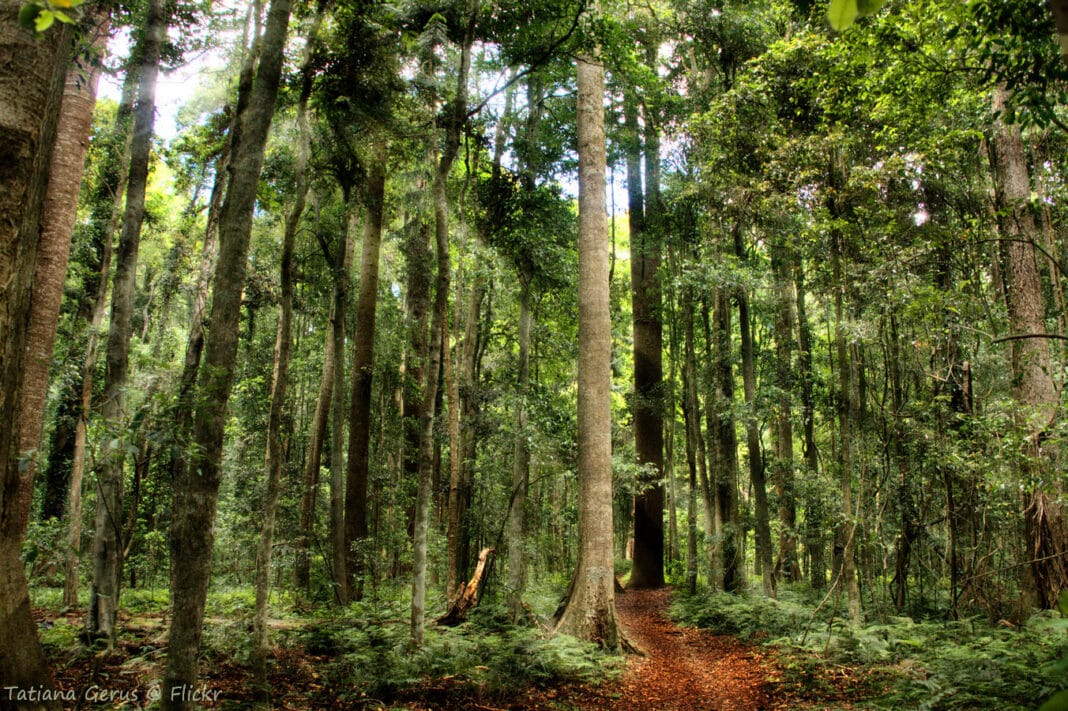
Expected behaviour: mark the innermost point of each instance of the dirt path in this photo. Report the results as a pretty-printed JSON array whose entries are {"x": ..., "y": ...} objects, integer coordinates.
[{"x": 683, "y": 669}]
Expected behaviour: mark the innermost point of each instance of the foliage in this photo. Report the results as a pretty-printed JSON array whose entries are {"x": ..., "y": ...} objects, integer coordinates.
[
  {"x": 487, "y": 654},
  {"x": 928, "y": 664}
]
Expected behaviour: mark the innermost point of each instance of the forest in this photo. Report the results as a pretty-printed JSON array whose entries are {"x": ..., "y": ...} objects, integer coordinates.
[{"x": 558, "y": 354}]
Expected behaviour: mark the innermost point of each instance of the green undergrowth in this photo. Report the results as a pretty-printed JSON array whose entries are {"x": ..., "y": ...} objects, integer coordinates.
[
  {"x": 895, "y": 662},
  {"x": 369, "y": 656}
]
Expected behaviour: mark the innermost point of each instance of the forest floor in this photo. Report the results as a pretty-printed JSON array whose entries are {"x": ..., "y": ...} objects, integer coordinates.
[{"x": 680, "y": 668}]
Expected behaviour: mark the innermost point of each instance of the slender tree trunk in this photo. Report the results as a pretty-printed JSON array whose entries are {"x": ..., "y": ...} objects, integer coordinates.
[
  {"x": 456, "y": 117},
  {"x": 338, "y": 469},
  {"x": 648, "y": 568},
  {"x": 589, "y": 611},
  {"x": 845, "y": 537},
  {"x": 107, "y": 535},
  {"x": 814, "y": 518},
  {"x": 786, "y": 566},
  {"x": 726, "y": 439},
  {"x": 312, "y": 463},
  {"x": 517, "y": 568},
  {"x": 363, "y": 376},
  {"x": 196, "y": 494},
  {"x": 1044, "y": 522},
  {"x": 275, "y": 456},
  {"x": 694, "y": 443},
  {"x": 31, "y": 86},
  {"x": 752, "y": 437}
]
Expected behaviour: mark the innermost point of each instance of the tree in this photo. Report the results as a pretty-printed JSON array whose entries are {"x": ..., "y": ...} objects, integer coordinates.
[
  {"x": 197, "y": 493},
  {"x": 1045, "y": 528},
  {"x": 57, "y": 227},
  {"x": 589, "y": 610},
  {"x": 31, "y": 84},
  {"x": 107, "y": 535},
  {"x": 648, "y": 569}
]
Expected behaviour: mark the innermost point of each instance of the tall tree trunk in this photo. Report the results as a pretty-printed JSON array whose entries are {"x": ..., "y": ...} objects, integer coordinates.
[
  {"x": 107, "y": 534},
  {"x": 845, "y": 536},
  {"x": 31, "y": 85},
  {"x": 196, "y": 494},
  {"x": 786, "y": 565},
  {"x": 517, "y": 568},
  {"x": 275, "y": 455},
  {"x": 648, "y": 568},
  {"x": 312, "y": 462},
  {"x": 752, "y": 438},
  {"x": 455, "y": 119},
  {"x": 363, "y": 375},
  {"x": 53, "y": 249},
  {"x": 1045, "y": 525},
  {"x": 589, "y": 611},
  {"x": 342, "y": 278},
  {"x": 694, "y": 444},
  {"x": 721, "y": 424},
  {"x": 814, "y": 517}
]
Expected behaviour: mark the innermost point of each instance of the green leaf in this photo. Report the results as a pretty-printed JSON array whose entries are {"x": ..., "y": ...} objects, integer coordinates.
[
  {"x": 28, "y": 15},
  {"x": 1062, "y": 603},
  {"x": 1057, "y": 702},
  {"x": 64, "y": 17},
  {"x": 44, "y": 20},
  {"x": 842, "y": 13}
]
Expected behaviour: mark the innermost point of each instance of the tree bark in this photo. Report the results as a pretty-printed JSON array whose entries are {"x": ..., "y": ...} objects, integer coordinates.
[
  {"x": 455, "y": 119},
  {"x": 107, "y": 534},
  {"x": 845, "y": 536},
  {"x": 786, "y": 565},
  {"x": 1045, "y": 525},
  {"x": 363, "y": 375},
  {"x": 196, "y": 494},
  {"x": 589, "y": 611},
  {"x": 53, "y": 249},
  {"x": 721, "y": 423},
  {"x": 648, "y": 568},
  {"x": 342, "y": 278},
  {"x": 814, "y": 517},
  {"x": 517, "y": 568},
  {"x": 275, "y": 455},
  {"x": 31, "y": 84}
]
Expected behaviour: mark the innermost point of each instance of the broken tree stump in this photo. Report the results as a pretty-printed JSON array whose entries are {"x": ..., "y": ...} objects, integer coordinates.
[{"x": 467, "y": 594}]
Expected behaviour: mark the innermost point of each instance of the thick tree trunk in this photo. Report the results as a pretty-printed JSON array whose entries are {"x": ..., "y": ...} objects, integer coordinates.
[
  {"x": 31, "y": 84},
  {"x": 196, "y": 494},
  {"x": 648, "y": 568},
  {"x": 363, "y": 376},
  {"x": 53, "y": 249},
  {"x": 590, "y": 611},
  {"x": 1045, "y": 525},
  {"x": 107, "y": 534}
]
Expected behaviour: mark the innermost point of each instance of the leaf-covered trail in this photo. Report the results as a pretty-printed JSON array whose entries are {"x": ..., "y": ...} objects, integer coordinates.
[{"x": 683, "y": 668}]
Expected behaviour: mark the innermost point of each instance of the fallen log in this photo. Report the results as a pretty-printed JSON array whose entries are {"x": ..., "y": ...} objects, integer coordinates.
[{"x": 467, "y": 594}]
